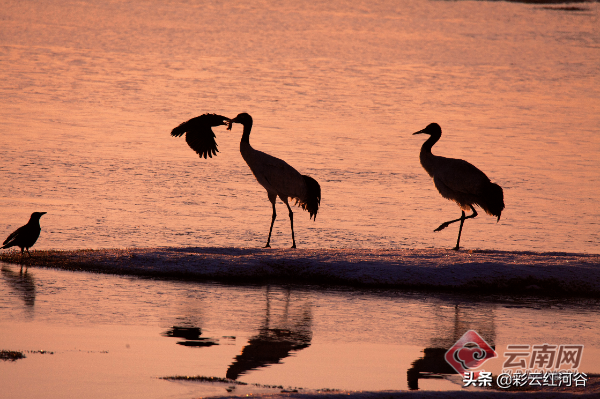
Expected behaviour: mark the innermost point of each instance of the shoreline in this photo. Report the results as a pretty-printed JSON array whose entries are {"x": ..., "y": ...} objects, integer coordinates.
[{"x": 477, "y": 271}]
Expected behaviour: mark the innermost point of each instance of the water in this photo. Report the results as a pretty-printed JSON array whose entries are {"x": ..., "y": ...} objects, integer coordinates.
[
  {"x": 90, "y": 92},
  {"x": 109, "y": 335}
]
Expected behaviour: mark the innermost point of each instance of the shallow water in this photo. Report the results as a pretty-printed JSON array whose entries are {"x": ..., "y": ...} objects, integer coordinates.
[
  {"x": 109, "y": 335},
  {"x": 90, "y": 92}
]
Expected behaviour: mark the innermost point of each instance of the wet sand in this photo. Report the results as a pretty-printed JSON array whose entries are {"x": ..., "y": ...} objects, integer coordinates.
[{"x": 420, "y": 269}]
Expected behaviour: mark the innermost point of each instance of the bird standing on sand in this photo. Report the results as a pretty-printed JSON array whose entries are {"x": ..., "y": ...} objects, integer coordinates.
[
  {"x": 278, "y": 178},
  {"x": 275, "y": 175},
  {"x": 459, "y": 181},
  {"x": 25, "y": 236}
]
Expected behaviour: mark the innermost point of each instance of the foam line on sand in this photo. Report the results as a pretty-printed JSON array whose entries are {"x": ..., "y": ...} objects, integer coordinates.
[{"x": 488, "y": 271}]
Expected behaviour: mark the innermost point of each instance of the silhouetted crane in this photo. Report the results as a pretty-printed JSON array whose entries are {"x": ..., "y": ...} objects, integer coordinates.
[
  {"x": 278, "y": 178},
  {"x": 200, "y": 136},
  {"x": 25, "y": 236},
  {"x": 459, "y": 181}
]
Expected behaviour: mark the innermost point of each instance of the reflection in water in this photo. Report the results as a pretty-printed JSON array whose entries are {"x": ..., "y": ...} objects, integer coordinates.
[
  {"x": 87, "y": 311},
  {"x": 191, "y": 336},
  {"x": 22, "y": 283},
  {"x": 188, "y": 322},
  {"x": 433, "y": 363},
  {"x": 282, "y": 331},
  {"x": 277, "y": 337}
]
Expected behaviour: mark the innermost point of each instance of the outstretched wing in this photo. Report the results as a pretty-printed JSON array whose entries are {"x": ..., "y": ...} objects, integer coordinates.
[{"x": 199, "y": 134}]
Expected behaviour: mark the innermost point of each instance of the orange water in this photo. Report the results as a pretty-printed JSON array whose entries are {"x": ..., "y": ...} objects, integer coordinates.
[
  {"x": 108, "y": 335},
  {"x": 90, "y": 91}
]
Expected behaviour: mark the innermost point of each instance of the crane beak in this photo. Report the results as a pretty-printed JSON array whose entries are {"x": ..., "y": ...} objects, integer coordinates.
[{"x": 420, "y": 132}]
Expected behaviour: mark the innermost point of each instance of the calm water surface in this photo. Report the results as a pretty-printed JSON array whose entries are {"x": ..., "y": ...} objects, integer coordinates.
[
  {"x": 108, "y": 335},
  {"x": 90, "y": 91}
]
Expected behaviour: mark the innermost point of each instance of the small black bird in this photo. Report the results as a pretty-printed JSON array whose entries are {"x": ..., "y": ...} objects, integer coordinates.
[
  {"x": 25, "y": 236},
  {"x": 200, "y": 136}
]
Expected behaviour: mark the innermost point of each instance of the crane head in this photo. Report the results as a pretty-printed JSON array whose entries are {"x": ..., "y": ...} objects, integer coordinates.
[
  {"x": 243, "y": 118},
  {"x": 433, "y": 129}
]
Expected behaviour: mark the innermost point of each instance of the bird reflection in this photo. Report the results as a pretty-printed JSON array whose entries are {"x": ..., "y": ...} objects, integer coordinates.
[
  {"x": 187, "y": 325},
  {"x": 276, "y": 339},
  {"x": 433, "y": 364},
  {"x": 191, "y": 335},
  {"x": 22, "y": 283}
]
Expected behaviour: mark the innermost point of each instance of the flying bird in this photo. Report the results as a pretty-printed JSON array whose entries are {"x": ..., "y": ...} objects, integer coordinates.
[
  {"x": 25, "y": 236},
  {"x": 199, "y": 134},
  {"x": 278, "y": 178},
  {"x": 459, "y": 181}
]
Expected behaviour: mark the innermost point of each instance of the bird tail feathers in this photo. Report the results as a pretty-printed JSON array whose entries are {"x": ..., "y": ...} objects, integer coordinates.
[
  {"x": 312, "y": 199},
  {"x": 9, "y": 240},
  {"x": 493, "y": 200},
  {"x": 179, "y": 130}
]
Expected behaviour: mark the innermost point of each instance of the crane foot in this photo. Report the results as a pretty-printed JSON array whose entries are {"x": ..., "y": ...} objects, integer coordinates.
[{"x": 442, "y": 226}]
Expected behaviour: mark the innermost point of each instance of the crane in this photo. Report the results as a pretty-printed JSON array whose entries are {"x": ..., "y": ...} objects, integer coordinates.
[
  {"x": 459, "y": 181},
  {"x": 278, "y": 178},
  {"x": 25, "y": 236},
  {"x": 275, "y": 175}
]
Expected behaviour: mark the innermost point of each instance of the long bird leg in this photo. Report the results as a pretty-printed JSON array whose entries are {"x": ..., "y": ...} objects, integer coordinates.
[
  {"x": 446, "y": 224},
  {"x": 272, "y": 198},
  {"x": 292, "y": 223},
  {"x": 462, "y": 221}
]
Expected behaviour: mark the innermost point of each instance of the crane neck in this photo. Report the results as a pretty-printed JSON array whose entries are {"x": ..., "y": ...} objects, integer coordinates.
[
  {"x": 427, "y": 145},
  {"x": 245, "y": 147},
  {"x": 246, "y": 134},
  {"x": 426, "y": 157}
]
